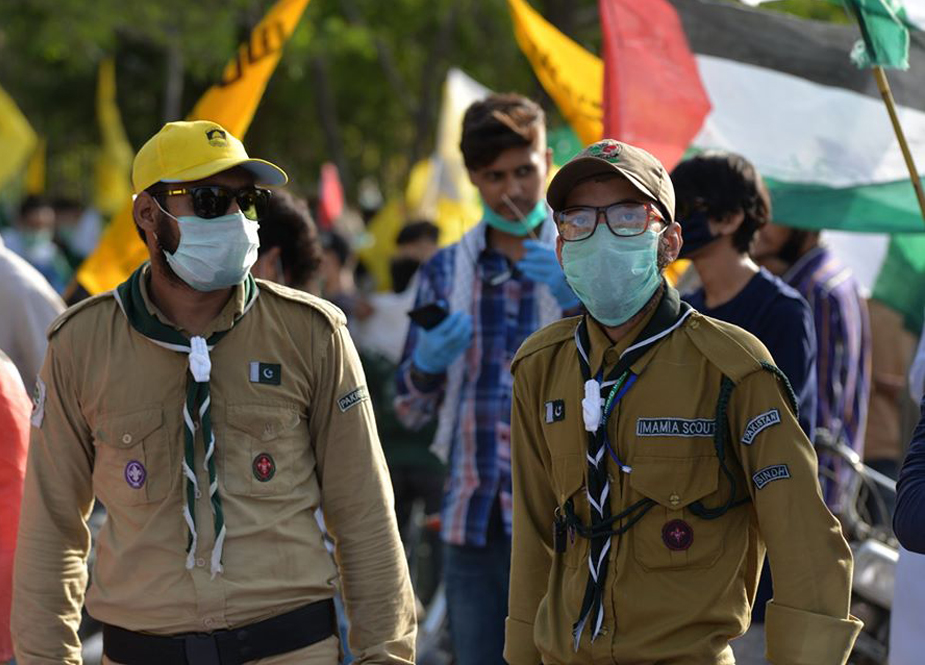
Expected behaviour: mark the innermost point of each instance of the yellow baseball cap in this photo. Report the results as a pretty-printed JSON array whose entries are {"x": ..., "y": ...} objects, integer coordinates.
[{"x": 186, "y": 151}]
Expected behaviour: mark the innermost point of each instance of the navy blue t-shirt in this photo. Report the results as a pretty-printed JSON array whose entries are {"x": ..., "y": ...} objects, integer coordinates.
[{"x": 778, "y": 316}]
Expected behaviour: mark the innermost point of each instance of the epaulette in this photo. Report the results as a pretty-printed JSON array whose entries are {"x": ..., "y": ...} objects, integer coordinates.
[
  {"x": 327, "y": 309},
  {"x": 71, "y": 311},
  {"x": 554, "y": 333},
  {"x": 734, "y": 351}
]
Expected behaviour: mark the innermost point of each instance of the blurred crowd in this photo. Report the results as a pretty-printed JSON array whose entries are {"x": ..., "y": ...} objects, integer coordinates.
[{"x": 847, "y": 355}]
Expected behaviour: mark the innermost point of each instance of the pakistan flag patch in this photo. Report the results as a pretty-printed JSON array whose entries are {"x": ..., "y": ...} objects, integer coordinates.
[{"x": 268, "y": 373}]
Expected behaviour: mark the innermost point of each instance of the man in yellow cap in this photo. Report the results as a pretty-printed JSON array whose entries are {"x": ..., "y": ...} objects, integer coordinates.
[
  {"x": 656, "y": 456},
  {"x": 211, "y": 414}
]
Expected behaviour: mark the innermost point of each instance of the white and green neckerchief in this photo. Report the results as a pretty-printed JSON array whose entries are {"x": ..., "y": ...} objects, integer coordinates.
[{"x": 198, "y": 400}]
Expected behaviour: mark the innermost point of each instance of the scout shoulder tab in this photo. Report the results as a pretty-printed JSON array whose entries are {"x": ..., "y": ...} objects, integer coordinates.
[
  {"x": 74, "y": 310},
  {"x": 554, "y": 333},
  {"x": 735, "y": 352},
  {"x": 328, "y": 310}
]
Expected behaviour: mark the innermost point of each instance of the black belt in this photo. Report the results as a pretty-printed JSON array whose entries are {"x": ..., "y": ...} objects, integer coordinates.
[{"x": 280, "y": 634}]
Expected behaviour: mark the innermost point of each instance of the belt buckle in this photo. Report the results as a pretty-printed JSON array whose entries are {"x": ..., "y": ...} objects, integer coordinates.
[{"x": 201, "y": 649}]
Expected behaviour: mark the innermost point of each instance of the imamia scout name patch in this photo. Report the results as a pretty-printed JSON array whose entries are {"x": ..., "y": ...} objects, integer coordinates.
[
  {"x": 684, "y": 427},
  {"x": 353, "y": 398},
  {"x": 758, "y": 424},
  {"x": 769, "y": 474}
]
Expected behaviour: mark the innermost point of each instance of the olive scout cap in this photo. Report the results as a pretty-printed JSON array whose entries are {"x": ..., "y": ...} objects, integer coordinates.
[
  {"x": 186, "y": 151},
  {"x": 643, "y": 170}
]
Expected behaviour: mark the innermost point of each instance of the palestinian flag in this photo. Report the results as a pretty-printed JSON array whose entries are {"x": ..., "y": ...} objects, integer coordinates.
[{"x": 784, "y": 93}]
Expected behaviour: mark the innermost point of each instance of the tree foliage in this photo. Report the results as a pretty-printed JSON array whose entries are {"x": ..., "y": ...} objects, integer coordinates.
[{"x": 359, "y": 83}]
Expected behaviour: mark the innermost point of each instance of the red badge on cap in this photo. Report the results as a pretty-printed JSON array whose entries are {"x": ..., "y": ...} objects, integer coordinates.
[
  {"x": 264, "y": 467},
  {"x": 677, "y": 535}
]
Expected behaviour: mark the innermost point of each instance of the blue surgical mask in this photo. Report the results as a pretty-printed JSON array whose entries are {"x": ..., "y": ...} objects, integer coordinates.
[
  {"x": 214, "y": 253},
  {"x": 520, "y": 227},
  {"x": 614, "y": 277}
]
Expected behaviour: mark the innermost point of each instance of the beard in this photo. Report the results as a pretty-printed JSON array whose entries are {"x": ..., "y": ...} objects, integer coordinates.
[
  {"x": 166, "y": 239},
  {"x": 662, "y": 260}
]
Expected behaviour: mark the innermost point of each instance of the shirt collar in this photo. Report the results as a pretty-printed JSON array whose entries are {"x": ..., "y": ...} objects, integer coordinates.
[
  {"x": 667, "y": 315},
  {"x": 232, "y": 310},
  {"x": 808, "y": 258}
]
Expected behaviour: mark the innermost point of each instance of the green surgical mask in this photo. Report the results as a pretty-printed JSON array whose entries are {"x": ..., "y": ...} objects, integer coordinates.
[
  {"x": 520, "y": 227},
  {"x": 613, "y": 276}
]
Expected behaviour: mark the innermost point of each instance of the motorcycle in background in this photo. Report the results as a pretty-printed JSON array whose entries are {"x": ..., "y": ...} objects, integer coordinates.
[{"x": 863, "y": 504}]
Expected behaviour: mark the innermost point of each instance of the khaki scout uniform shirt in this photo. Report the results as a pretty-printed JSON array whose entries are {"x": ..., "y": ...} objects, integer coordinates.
[
  {"x": 672, "y": 607},
  {"x": 113, "y": 397}
]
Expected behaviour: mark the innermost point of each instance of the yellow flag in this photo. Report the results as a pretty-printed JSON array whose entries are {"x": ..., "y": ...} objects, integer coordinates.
[
  {"x": 572, "y": 76},
  {"x": 35, "y": 169},
  {"x": 114, "y": 160},
  {"x": 231, "y": 103},
  {"x": 438, "y": 187},
  {"x": 16, "y": 137}
]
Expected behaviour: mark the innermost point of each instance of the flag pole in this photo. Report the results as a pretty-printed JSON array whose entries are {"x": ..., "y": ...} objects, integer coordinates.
[{"x": 890, "y": 103}]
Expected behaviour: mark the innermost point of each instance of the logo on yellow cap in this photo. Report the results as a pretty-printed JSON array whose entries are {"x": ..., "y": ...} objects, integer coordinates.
[{"x": 217, "y": 138}]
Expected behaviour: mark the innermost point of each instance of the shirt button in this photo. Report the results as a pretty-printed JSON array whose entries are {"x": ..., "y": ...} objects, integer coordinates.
[
  {"x": 208, "y": 623},
  {"x": 126, "y": 438},
  {"x": 694, "y": 324},
  {"x": 201, "y": 562},
  {"x": 674, "y": 499}
]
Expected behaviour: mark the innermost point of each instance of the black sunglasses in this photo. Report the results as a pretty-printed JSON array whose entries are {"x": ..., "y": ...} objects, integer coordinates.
[{"x": 211, "y": 201}]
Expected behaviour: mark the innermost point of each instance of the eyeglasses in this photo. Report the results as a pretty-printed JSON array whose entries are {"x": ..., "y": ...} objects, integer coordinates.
[
  {"x": 211, "y": 201},
  {"x": 623, "y": 219}
]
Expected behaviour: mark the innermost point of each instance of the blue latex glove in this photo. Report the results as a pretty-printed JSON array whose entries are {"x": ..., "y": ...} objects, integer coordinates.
[
  {"x": 438, "y": 347},
  {"x": 540, "y": 264}
]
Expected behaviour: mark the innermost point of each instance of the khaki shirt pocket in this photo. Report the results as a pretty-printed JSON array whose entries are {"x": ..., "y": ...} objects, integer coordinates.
[
  {"x": 266, "y": 451},
  {"x": 132, "y": 465},
  {"x": 670, "y": 536},
  {"x": 569, "y": 478}
]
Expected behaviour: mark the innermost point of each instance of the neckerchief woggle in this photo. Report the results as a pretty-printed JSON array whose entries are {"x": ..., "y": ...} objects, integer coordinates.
[
  {"x": 198, "y": 400},
  {"x": 670, "y": 313}
]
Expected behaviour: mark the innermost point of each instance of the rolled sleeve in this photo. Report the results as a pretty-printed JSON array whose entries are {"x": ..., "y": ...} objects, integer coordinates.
[
  {"x": 810, "y": 560},
  {"x": 797, "y": 637}
]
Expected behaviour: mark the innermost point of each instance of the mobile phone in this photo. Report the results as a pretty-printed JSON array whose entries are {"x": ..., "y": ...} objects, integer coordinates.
[{"x": 428, "y": 316}]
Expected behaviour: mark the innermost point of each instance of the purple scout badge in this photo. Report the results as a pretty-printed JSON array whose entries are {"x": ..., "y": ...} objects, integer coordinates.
[{"x": 135, "y": 474}]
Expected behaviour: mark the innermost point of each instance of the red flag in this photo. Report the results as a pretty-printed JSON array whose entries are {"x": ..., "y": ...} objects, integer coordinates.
[
  {"x": 330, "y": 196},
  {"x": 653, "y": 95}
]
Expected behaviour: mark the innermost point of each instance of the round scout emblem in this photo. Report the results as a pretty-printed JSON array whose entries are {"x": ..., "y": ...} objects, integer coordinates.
[
  {"x": 135, "y": 474},
  {"x": 264, "y": 467},
  {"x": 677, "y": 535}
]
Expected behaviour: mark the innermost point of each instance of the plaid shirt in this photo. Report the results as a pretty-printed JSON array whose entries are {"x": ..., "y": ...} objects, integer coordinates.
[
  {"x": 479, "y": 467},
  {"x": 843, "y": 343}
]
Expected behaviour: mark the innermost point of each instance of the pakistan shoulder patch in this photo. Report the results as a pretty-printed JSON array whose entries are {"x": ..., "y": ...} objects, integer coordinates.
[
  {"x": 769, "y": 474},
  {"x": 38, "y": 402},
  {"x": 758, "y": 424},
  {"x": 353, "y": 398},
  {"x": 555, "y": 411}
]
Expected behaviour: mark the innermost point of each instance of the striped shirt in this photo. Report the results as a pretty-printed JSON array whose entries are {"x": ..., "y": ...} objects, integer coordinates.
[
  {"x": 503, "y": 315},
  {"x": 843, "y": 343}
]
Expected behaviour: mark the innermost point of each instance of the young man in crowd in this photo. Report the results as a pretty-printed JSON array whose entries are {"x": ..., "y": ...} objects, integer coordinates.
[
  {"x": 656, "y": 454},
  {"x": 497, "y": 285},
  {"x": 722, "y": 204},
  {"x": 843, "y": 344}
]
